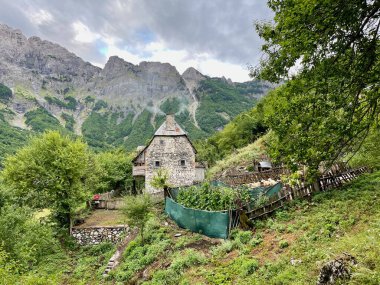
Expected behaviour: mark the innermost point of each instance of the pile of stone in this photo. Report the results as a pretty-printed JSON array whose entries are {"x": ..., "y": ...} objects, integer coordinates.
[{"x": 336, "y": 270}]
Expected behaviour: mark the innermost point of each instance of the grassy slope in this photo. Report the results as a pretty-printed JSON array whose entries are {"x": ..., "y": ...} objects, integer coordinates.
[
  {"x": 346, "y": 220},
  {"x": 314, "y": 232},
  {"x": 243, "y": 156}
]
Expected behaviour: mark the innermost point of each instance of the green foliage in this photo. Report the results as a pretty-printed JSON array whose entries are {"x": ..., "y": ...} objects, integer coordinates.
[
  {"x": 89, "y": 99},
  {"x": 111, "y": 170},
  {"x": 219, "y": 103},
  {"x": 242, "y": 156},
  {"x": 137, "y": 210},
  {"x": 160, "y": 179},
  {"x": 25, "y": 239},
  {"x": 181, "y": 261},
  {"x": 261, "y": 200},
  {"x": 69, "y": 119},
  {"x": 322, "y": 229},
  {"x": 211, "y": 198},
  {"x": 369, "y": 152},
  {"x": 102, "y": 130},
  {"x": 56, "y": 167},
  {"x": 283, "y": 244},
  {"x": 243, "y": 130},
  {"x": 141, "y": 132},
  {"x": 91, "y": 263},
  {"x": 184, "y": 119},
  {"x": 71, "y": 102},
  {"x": 138, "y": 255},
  {"x": 170, "y": 106},
  {"x": 41, "y": 120},
  {"x": 100, "y": 105},
  {"x": 5, "y": 93},
  {"x": 326, "y": 109},
  {"x": 11, "y": 138}
]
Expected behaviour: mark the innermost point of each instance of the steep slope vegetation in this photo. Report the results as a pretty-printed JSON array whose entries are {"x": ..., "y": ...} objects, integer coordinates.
[{"x": 290, "y": 247}]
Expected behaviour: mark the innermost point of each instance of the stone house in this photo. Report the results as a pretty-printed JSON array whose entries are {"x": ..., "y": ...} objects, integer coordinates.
[{"x": 171, "y": 149}]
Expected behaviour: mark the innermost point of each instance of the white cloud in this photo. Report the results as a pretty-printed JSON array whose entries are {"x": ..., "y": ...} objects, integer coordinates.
[
  {"x": 40, "y": 17},
  {"x": 83, "y": 34}
]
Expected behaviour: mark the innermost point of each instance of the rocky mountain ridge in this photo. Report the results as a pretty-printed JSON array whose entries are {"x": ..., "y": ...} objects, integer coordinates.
[{"x": 53, "y": 87}]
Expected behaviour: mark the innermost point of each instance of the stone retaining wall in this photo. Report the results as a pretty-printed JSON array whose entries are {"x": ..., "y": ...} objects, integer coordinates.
[{"x": 96, "y": 235}]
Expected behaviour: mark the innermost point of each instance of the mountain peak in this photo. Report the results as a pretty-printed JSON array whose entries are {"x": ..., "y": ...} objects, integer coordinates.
[
  {"x": 192, "y": 78},
  {"x": 191, "y": 72},
  {"x": 116, "y": 66}
]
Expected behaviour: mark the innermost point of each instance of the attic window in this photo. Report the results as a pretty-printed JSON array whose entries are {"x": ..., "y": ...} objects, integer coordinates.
[
  {"x": 162, "y": 142},
  {"x": 157, "y": 163},
  {"x": 183, "y": 162}
]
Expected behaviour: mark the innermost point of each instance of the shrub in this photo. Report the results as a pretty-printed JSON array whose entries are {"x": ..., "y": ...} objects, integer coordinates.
[
  {"x": 37, "y": 239},
  {"x": 225, "y": 247},
  {"x": 249, "y": 266},
  {"x": 138, "y": 255},
  {"x": 212, "y": 198},
  {"x": 181, "y": 261},
  {"x": 5, "y": 93},
  {"x": 137, "y": 210},
  {"x": 242, "y": 237},
  {"x": 283, "y": 244},
  {"x": 99, "y": 105}
]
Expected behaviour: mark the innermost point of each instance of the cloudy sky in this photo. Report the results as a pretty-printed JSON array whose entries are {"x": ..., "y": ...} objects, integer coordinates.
[{"x": 217, "y": 37}]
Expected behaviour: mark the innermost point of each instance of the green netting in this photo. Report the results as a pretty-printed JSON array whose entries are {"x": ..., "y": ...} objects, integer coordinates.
[
  {"x": 212, "y": 224},
  {"x": 273, "y": 190},
  {"x": 174, "y": 193},
  {"x": 268, "y": 191}
]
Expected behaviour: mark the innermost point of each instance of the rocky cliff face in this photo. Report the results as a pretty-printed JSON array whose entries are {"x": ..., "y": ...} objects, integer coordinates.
[
  {"x": 82, "y": 97},
  {"x": 192, "y": 78}
]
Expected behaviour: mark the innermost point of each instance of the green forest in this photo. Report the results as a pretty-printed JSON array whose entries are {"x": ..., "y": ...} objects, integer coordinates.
[{"x": 326, "y": 112}]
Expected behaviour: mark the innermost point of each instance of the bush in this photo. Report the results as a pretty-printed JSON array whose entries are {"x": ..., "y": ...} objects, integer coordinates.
[
  {"x": 137, "y": 210},
  {"x": 212, "y": 198},
  {"x": 225, "y": 247},
  {"x": 181, "y": 261},
  {"x": 138, "y": 255},
  {"x": 283, "y": 244},
  {"x": 249, "y": 266},
  {"x": 242, "y": 237},
  {"x": 99, "y": 105},
  {"x": 5, "y": 93},
  {"x": 41, "y": 120},
  {"x": 26, "y": 241}
]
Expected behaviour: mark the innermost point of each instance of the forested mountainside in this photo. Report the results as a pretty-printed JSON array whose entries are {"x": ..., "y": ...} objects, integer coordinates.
[{"x": 44, "y": 86}]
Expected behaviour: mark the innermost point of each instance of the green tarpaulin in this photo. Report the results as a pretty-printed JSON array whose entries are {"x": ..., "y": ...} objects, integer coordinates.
[{"x": 211, "y": 224}]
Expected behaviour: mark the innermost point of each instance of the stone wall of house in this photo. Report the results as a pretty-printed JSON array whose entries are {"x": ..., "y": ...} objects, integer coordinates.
[
  {"x": 169, "y": 151},
  {"x": 96, "y": 235}
]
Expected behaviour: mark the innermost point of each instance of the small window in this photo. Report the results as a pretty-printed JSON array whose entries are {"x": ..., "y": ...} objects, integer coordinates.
[
  {"x": 183, "y": 162},
  {"x": 157, "y": 163},
  {"x": 162, "y": 142}
]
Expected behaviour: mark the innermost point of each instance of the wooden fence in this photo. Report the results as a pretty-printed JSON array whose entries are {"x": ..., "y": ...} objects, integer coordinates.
[
  {"x": 288, "y": 193},
  {"x": 245, "y": 178}
]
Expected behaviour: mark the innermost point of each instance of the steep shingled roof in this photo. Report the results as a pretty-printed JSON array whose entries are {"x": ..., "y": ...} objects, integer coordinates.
[{"x": 169, "y": 128}]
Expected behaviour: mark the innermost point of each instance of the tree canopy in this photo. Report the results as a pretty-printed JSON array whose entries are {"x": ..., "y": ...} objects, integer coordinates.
[
  {"x": 327, "y": 53},
  {"x": 49, "y": 173}
]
